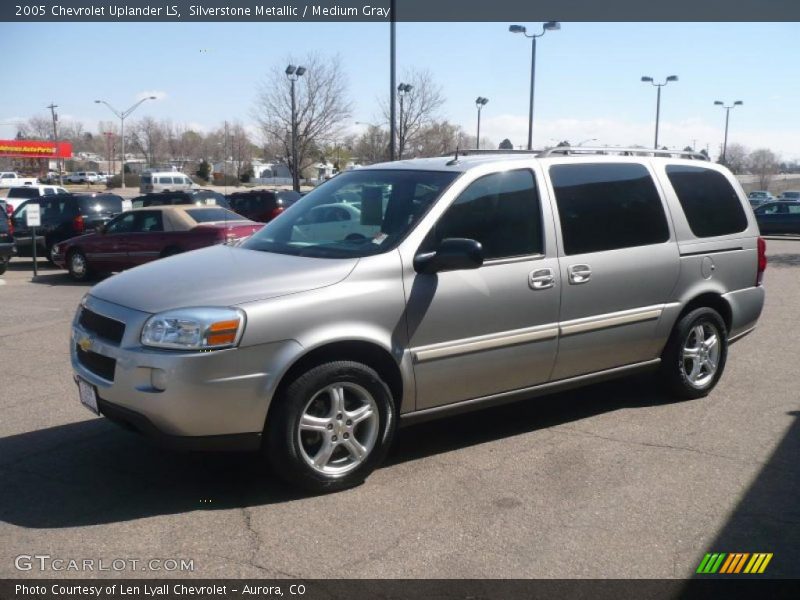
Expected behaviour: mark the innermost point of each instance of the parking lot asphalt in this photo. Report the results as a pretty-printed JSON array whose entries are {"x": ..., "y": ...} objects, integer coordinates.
[{"x": 613, "y": 480}]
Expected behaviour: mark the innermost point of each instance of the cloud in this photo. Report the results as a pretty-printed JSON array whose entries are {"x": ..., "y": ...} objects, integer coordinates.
[{"x": 159, "y": 94}]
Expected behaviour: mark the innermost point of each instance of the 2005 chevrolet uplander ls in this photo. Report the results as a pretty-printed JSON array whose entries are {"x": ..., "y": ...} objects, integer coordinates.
[{"x": 419, "y": 288}]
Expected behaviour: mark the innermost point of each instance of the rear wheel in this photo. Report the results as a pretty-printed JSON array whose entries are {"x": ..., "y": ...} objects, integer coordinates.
[
  {"x": 77, "y": 266},
  {"x": 331, "y": 427},
  {"x": 695, "y": 355}
]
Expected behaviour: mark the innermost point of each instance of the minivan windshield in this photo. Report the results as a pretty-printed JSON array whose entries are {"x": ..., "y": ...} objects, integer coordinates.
[{"x": 357, "y": 213}]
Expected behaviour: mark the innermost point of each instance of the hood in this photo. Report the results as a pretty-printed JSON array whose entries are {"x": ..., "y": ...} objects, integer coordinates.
[{"x": 219, "y": 276}]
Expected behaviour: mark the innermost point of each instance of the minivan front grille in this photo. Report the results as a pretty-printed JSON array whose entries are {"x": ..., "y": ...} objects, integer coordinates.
[
  {"x": 104, "y": 327},
  {"x": 102, "y": 366}
]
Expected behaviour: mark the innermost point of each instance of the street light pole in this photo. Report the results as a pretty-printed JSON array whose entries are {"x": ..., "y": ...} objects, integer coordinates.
[
  {"x": 392, "y": 79},
  {"x": 294, "y": 73},
  {"x": 53, "y": 108},
  {"x": 402, "y": 90},
  {"x": 480, "y": 102},
  {"x": 727, "y": 119},
  {"x": 122, "y": 115},
  {"x": 548, "y": 26},
  {"x": 647, "y": 79}
]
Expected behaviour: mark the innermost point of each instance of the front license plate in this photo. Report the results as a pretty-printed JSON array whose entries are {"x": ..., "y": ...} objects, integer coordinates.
[{"x": 88, "y": 396}]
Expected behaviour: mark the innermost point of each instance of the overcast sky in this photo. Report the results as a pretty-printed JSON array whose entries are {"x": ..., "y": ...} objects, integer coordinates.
[{"x": 587, "y": 82}]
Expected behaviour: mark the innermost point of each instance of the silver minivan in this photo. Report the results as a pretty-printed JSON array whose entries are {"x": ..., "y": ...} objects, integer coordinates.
[{"x": 417, "y": 289}]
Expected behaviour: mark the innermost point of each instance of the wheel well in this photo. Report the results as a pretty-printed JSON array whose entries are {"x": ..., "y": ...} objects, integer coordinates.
[
  {"x": 711, "y": 300},
  {"x": 367, "y": 353}
]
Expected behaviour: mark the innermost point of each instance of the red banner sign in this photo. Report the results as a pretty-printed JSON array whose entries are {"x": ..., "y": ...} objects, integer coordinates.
[{"x": 35, "y": 149}]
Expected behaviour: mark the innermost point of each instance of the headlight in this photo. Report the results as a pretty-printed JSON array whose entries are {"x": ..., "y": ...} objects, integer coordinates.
[{"x": 204, "y": 328}]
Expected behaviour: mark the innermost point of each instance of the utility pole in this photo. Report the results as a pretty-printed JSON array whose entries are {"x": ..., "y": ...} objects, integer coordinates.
[{"x": 53, "y": 108}]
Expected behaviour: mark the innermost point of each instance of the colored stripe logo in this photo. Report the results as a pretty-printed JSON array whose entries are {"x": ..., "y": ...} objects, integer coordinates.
[{"x": 734, "y": 562}]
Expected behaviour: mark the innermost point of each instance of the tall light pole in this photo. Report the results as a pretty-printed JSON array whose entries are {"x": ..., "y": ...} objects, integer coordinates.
[
  {"x": 548, "y": 26},
  {"x": 392, "y": 78},
  {"x": 53, "y": 106},
  {"x": 294, "y": 73},
  {"x": 727, "y": 119},
  {"x": 122, "y": 115},
  {"x": 402, "y": 90},
  {"x": 480, "y": 102},
  {"x": 647, "y": 79}
]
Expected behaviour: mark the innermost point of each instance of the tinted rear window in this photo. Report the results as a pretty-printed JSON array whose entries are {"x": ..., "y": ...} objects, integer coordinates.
[
  {"x": 606, "y": 206},
  {"x": 100, "y": 204},
  {"x": 23, "y": 192},
  {"x": 709, "y": 202},
  {"x": 210, "y": 215}
]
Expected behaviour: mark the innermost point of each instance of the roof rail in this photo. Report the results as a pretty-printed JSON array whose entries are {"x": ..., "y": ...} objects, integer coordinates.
[
  {"x": 493, "y": 151},
  {"x": 575, "y": 150}
]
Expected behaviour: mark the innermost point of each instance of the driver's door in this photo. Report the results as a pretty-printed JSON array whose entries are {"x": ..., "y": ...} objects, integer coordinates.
[
  {"x": 475, "y": 333},
  {"x": 110, "y": 250}
]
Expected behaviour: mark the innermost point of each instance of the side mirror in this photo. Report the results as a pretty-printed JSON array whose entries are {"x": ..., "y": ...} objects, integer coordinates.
[
  {"x": 100, "y": 229},
  {"x": 453, "y": 254}
]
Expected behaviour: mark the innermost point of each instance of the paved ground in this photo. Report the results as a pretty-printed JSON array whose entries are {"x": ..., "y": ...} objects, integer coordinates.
[{"x": 608, "y": 481}]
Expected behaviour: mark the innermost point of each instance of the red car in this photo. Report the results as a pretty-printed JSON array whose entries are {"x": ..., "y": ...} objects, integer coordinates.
[{"x": 144, "y": 234}]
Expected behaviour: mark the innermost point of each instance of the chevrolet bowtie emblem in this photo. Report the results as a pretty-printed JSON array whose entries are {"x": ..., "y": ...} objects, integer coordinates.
[{"x": 85, "y": 344}]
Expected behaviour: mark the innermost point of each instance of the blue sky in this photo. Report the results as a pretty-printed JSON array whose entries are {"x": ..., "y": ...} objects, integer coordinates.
[{"x": 587, "y": 83}]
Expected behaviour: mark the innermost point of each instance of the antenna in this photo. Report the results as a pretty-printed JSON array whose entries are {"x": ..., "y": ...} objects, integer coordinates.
[{"x": 450, "y": 163}]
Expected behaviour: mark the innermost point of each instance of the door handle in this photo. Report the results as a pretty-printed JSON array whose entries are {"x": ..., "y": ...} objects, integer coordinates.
[
  {"x": 579, "y": 273},
  {"x": 541, "y": 279}
]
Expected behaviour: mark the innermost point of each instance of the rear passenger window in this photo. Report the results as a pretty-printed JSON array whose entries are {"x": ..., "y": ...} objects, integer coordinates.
[
  {"x": 607, "y": 206},
  {"x": 709, "y": 202},
  {"x": 501, "y": 211}
]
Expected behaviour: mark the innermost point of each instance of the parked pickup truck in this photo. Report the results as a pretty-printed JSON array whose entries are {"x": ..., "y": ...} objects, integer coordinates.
[{"x": 12, "y": 179}]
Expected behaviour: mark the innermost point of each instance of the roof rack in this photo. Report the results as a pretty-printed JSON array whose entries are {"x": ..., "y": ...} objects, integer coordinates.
[{"x": 574, "y": 150}]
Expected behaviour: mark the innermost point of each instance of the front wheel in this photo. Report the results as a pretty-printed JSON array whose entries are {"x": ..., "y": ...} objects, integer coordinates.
[
  {"x": 4, "y": 260},
  {"x": 695, "y": 355},
  {"x": 77, "y": 266},
  {"x": 331, "y": 427}
]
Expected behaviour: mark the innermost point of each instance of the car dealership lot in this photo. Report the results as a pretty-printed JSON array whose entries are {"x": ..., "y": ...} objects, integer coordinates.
[{"x": 607, "y": 481}]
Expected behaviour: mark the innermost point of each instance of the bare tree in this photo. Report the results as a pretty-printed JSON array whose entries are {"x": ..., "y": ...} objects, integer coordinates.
[
  {"x": 240, "y": 148},
  {"x": 420, "y": 107},
  {"x": 36, "y": 128},
  {"x": 764, "y": 164},
  {"x": 736, "y": 157},
  {"x": 372, "y": 146},
  {"x": 322, "y": 107},
  {"x": 149, "y": 138}
]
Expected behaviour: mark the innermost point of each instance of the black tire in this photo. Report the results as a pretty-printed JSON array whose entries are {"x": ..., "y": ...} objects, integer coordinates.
[
  {"x": 74, "y": 259},
  {"x": 4, "y": 260},
  {"x": 674, "y": 364},
  {"x": 287, "y": 448}
]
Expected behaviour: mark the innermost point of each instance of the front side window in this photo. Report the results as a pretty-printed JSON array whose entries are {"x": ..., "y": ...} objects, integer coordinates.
[
  {"x": 607, "y": 206},
  {"x": 355, "y": 214},
  {"x": 501, "y": 211},
  {"x": 710, "y": 203}
]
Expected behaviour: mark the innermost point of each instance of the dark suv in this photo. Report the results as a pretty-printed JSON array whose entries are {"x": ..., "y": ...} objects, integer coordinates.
[
  {"x": 200, "y": 197},
  {"x": 262, "y": 205},
  {"x": 63, "y": 216}
]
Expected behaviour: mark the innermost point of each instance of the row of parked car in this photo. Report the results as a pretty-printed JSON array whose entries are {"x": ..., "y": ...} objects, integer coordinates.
[{"x": 89, "y": 233}]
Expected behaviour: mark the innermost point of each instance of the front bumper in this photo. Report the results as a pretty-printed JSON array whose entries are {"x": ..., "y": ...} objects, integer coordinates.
[{"x": 220, "y": 393}]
